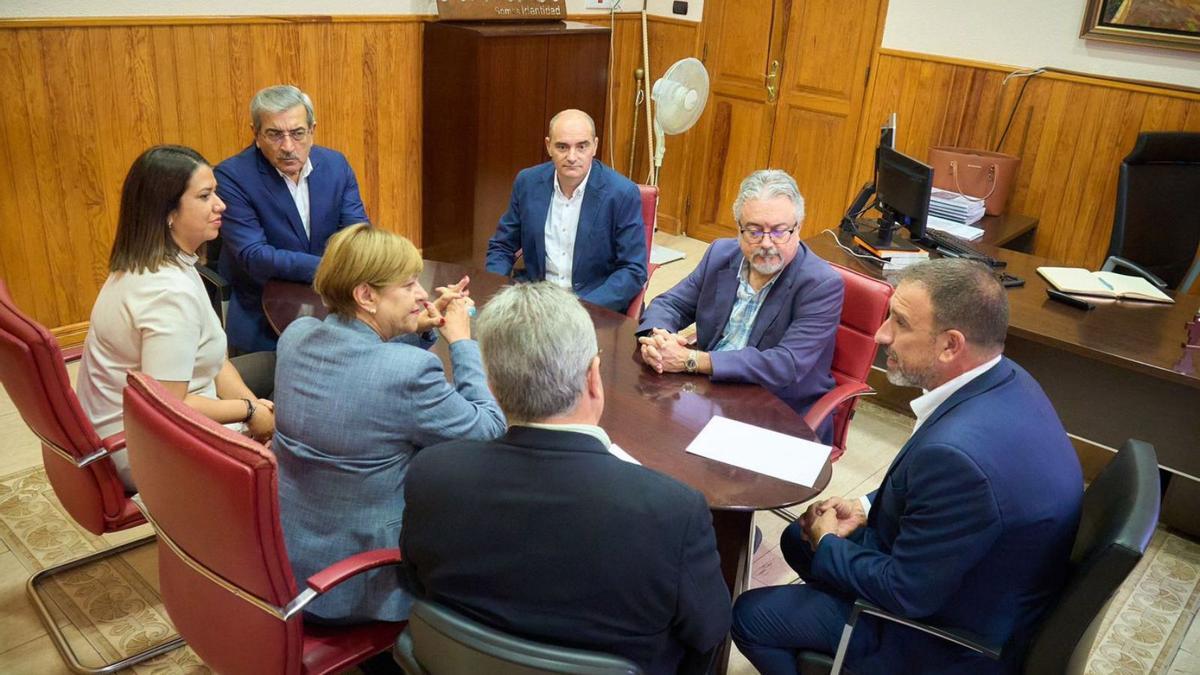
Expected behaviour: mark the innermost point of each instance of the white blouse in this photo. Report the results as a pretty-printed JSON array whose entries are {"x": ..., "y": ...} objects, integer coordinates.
[{"x": 160, "y": 323}]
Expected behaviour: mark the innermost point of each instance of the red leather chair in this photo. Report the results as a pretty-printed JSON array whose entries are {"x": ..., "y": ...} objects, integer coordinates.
[
  {"x": 864, "y": 310},
  {"x": 77, "y": 461},
  {"x": 649, "y": 212},
  {"x": 212, "y": 496}
]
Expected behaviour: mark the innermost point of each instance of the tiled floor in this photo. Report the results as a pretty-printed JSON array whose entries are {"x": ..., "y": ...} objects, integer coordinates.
[{"x": 874, "y": 438}]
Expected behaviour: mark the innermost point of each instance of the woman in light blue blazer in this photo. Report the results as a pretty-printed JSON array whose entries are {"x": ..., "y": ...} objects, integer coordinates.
[{"x": 356, "y": 396}]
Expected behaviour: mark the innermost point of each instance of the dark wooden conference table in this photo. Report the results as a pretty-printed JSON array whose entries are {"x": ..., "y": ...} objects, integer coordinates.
[
  {"x": 1113, "y": 373},
  {"x": 652, "y": 417}
]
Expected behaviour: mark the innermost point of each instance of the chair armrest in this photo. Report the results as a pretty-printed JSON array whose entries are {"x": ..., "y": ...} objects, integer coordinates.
[
  {"x": 833, "y": 398},
  {"x": 114, "y": 443},
  {"x": 959, "y": 637},
  {"x": 345, "y": 568},
  {"x": 212, "y": 278},
  {"x": 1114, "y": 262}
]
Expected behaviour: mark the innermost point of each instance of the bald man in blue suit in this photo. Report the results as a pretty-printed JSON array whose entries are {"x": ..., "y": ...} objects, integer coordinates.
[
  {"x": 577, "y": 223},
  {"x": 972, "y": 526},
  {"x": 285, "y": 197}
]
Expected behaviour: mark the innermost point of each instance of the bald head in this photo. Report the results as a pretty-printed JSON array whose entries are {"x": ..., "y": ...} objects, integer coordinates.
[
  {"x": 573, "y": 116},
  {"x": 571, "y": 146}
]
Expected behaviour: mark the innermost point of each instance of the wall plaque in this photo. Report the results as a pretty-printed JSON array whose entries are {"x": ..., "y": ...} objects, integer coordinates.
[{"x": 501, "y": 10}]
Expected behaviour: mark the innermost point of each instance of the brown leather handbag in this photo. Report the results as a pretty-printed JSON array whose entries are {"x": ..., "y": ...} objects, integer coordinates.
[{"x": 980, "y": 175}]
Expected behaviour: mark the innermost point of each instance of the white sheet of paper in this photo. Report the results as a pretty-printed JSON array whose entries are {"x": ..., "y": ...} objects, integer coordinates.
[
  {"x": 788, "y": 458},
  {"x": 620, "y": 454}
]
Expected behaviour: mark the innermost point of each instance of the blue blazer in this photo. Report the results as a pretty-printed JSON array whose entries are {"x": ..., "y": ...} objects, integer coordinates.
[
  {"x": 351, "y": 411},
  {"x": 972, "y": 527},
  {"x": 263, "y": 236},
  {"x": 609, "y": 265},
  {"x": 544, "y": 534},
  {"x": 791, "y": 346}
]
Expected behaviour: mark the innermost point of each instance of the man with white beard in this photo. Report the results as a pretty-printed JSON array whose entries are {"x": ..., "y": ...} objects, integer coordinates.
[{"x": 766, "y": 308}]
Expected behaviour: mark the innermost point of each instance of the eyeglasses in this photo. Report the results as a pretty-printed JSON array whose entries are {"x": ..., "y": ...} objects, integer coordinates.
[
  {"x": 777, "y": 235},
  {"x": 298, "y": 135}
]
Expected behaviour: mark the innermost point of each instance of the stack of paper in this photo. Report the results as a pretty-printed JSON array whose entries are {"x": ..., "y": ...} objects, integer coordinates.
[
  {"x": 955, "y": 207},
  {"x": 960, "y": 230}
]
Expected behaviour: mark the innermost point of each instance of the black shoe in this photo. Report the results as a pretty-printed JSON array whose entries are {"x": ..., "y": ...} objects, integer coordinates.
[{"x": 757, "y": 539}]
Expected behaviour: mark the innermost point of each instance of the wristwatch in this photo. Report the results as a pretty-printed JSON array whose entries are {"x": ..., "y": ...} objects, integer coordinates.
[{"x": 690, "y": 364}]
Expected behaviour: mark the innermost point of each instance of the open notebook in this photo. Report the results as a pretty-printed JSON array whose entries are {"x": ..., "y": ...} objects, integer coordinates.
[{"x": 1104, "y": 284}]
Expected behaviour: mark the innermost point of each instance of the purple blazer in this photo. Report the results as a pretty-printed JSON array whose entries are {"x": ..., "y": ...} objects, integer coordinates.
[{"x": 791, "y": 346}]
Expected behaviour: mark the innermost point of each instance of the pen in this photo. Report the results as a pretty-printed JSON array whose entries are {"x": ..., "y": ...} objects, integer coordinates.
[{"x": 1105, "y": 284}]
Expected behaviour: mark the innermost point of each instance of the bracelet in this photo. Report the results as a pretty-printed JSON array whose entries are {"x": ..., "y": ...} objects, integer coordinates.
[{"x": 249, "y": 410}]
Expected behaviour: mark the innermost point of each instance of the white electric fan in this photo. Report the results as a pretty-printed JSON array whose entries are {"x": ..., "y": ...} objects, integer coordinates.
[{"x": 679, "y": 97}]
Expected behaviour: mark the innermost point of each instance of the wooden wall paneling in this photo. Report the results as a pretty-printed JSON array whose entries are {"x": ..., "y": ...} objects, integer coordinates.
[
  {"x": 86, "y": 98},
  {"x": 1070, "y": 131}
]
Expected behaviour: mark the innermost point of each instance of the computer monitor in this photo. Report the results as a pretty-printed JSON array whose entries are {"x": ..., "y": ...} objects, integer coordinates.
[
  {"x": 902, "y": 185},
  {"x": 887, "y": 137}
]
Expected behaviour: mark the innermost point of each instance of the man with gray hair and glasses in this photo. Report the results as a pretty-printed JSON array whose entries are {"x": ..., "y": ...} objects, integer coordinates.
[
  {"x": 285, "y": 197},
  {"x": 766, "y": 308},
  {"x": 543, "y": 533}
]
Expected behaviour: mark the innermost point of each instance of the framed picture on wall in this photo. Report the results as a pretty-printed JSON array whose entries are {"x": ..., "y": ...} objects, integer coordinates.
[{"x": 1172, "y": 24}]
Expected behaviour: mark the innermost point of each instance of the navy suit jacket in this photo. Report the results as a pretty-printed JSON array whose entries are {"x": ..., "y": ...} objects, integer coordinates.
[
  {"x": 609, "y": 264},
  {"x": 971, "y": 528},
  {"x": 791, "y": 346},
  {"x": 263, "y": 236},
  {"x": 544, "y": 534}
]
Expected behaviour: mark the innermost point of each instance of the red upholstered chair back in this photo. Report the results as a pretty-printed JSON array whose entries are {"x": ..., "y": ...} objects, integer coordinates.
[
  {"x": 864, "y": 310},
  {"x": 649, "y": 211},
  {"x": 213, "y": 498},
  {"x": 33, "y": 374}
]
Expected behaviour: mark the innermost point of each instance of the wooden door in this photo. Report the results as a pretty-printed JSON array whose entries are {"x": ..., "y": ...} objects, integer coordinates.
[
  {"x": 742, "y": 40},
  {"x": 788, "y": 83},
  {"x": 822, "y": 88}
]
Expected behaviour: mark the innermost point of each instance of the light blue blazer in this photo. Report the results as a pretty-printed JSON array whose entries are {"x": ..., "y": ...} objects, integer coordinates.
[{"x": 350, "y": 413}]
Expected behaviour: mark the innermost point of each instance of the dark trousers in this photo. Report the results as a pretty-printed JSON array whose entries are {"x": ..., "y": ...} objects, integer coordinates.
[{"x": 772, "y": 625}]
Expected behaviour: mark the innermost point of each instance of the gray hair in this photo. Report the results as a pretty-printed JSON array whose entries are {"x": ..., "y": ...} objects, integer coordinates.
[
  {"x": 277, "y": 99},
  {"x": 965, "y": 296},
  {"x": 537, "y": 342},
  {"x": 768, "y": 184}
]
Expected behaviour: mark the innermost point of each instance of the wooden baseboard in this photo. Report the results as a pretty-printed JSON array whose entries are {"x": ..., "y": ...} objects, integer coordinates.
[{"x": 71, "y": 335}]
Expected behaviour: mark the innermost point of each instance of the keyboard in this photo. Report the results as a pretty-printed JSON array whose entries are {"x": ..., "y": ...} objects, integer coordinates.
[{"x": 956, "y": 247}]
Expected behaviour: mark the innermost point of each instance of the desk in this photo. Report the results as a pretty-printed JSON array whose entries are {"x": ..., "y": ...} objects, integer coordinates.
[
  {"x": 1111, "y": 372},
  {"x": 653, "y": 417}
]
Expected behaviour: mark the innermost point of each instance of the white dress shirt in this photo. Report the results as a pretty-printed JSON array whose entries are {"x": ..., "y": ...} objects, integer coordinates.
[
  {"x": 562, "y": 223},
  {"x": 299, "y": 190},
  {"x": 924, "y": 405}
]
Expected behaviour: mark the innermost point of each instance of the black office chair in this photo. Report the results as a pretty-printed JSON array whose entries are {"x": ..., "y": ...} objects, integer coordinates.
[
  {"x": 217, "y": 286},
  {"x": 439, "y": 641},
  {"x": 1120, "y": 512},
  {"x": 1156, "y": 227}
]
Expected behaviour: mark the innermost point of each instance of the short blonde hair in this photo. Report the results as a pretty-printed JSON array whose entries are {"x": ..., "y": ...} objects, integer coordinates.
[{"x": 361, "y": 254}]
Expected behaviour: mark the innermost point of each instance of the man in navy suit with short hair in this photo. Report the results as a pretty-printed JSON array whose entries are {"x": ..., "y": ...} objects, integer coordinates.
[
  {"x": 577, "y": 223},
  {"x": 766, "y": 308},
  {"x": 285, "y": 197},
  {"x": 545, "y": 533},
  {"x": 973, "y": 524}
]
